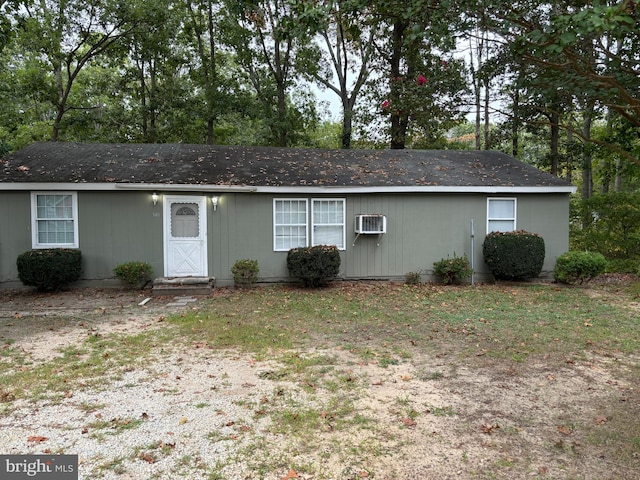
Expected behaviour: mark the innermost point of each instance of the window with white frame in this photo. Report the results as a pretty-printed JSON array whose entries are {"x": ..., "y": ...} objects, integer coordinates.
[
  {"x": 289, "y": 224},
  {"x": 501, "y": 214},
  {"x": 54, "y": 218},
  {"x": 328, "y": 222}
]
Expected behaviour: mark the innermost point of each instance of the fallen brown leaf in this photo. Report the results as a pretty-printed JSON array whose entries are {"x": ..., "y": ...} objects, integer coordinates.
[
  {"x": 488, "y": 429},
  {"x": 408, "y": 422},
  {"x": 147, "y": 457},
  {"x": 563, "y": 429},
  {"x": 37, "y": 439},
  {"x": 291, "y": 474}
]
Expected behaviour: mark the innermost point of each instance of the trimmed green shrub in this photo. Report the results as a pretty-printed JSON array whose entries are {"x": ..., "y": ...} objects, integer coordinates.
[
  {"x": 572, "y": 267},
  {"x": 452, "y": 271},
  {"x": 413, "y": 278},
  {"x": 245, "y": 272},
  {"x": 134, "y": 274},
  {"x": 516, "y": 255},
  {"x": 49, "y": 269},
  {"x": 314, "y": 266}
]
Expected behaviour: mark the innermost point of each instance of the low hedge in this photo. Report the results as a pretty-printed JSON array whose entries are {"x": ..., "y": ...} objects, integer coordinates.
[
  {"x": 314, "y": 266},
  {"x": 49, "y": 269}
]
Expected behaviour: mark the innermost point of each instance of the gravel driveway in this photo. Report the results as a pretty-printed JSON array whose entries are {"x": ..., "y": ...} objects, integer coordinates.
[{"x": 188, "y": 411}]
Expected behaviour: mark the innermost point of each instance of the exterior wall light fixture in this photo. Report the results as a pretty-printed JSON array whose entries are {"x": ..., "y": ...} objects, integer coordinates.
[
  {"x": 214, "y": 202},
  {"x": 154, "y": 197}
]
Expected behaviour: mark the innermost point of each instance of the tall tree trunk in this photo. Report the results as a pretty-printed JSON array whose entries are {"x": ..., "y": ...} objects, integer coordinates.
[
  {"x": 476, "y": 91},
  {"x": 281, "y": 118},
  {"x": 211, "y": 78},
  {"x": 399, "y": 119},
  {"x": 554, "y": 141},
  {"x": 153, "y": 102},
  {"x": 347, "y": 123},
  {"x": 587, "y": 172},
  {"x": 514, "y": 124},
  {"x": 605, "y": 182},
  {"x": 57, "y": 74},
  {"x": 487, "y": 133},
  {"x": 143, "y": 101},
  {"x": 619, "y": 176}
]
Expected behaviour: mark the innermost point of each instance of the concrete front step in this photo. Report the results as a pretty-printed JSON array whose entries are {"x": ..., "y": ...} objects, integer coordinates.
[{"x": 183, "y": 285}]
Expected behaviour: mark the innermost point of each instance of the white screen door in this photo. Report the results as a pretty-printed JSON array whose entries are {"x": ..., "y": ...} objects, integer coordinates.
[{"x": 185, "y": 236}]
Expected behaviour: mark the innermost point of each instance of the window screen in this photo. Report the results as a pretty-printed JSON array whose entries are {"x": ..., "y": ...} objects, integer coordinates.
[
  {"x": 54, "y": 219},
  {"x": 501, "y": 215},
  {"x": 290, "y": 224},
  {"x": 328, "y": 222}
]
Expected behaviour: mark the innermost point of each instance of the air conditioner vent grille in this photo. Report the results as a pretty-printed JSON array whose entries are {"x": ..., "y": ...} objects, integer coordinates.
[{"x": 371, "y": 224}]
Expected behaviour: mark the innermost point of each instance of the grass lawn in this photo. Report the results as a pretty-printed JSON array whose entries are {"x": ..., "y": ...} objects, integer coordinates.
[{"x": 399, "y": 381}]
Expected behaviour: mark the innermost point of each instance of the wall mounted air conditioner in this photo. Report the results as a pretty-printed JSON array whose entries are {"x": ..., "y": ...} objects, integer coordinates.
[{"x": 371, "y": 224}]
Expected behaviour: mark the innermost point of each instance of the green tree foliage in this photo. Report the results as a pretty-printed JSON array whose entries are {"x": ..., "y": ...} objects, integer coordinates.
[
  {"x": 266, "y": 37},
  {"x": 418, "y": 89},
  {"x": 588, "y": 53},
  {"x": 608, "y": 224},
  {"x": 555, "y": 83},
  {"x": 340, "y": 58},
  {"x": 63, "y": 37}
]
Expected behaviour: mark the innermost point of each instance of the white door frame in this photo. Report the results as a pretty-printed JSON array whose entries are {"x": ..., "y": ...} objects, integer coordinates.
[{"x": 200, "y": 268}]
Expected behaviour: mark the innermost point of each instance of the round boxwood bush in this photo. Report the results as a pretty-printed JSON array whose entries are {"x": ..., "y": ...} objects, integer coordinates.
[
  {"x": 49, "y": 269},
  {"x": 577, "y": 267},
  {"x": 516, "y": 255}
]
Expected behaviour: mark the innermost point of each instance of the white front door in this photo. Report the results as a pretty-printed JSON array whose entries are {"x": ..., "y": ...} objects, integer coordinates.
[{"x": 185, "y": 236}]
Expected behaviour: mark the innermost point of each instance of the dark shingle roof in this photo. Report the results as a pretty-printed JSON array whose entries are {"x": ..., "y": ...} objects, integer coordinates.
[{"x": 266, "y": 166}]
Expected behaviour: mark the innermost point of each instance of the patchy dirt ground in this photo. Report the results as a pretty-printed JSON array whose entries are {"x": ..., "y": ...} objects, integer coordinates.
[
  {"x": 204, "y": 414},
  {"x": 43, "y": 323}
]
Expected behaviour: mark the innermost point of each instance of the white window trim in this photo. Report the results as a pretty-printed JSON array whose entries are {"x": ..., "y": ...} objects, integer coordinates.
[
  {"x": 306, "y": 231},
  {"x": 344, "y": 219},
  {"x": 34, "y": 221},
  {"x": 515, "y": 212}
]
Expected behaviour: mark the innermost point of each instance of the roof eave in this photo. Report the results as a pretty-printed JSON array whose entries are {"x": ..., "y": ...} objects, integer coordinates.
[{"x": 161, "y": 187}]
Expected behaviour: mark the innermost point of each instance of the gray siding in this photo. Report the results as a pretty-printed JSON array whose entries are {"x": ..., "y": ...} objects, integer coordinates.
[
  {"x": 421, "y": 229},
  {"x": 15, "y": 231},
  {"x": 120, "y": 226}
]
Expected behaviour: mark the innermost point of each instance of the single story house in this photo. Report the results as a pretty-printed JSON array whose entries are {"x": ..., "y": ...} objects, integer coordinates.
[{"x": 194, "y": 210}]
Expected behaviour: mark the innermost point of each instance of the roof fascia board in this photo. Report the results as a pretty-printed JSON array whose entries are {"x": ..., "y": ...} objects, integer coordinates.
[
  {"x": 161, "y": 187},
  {"x": 418, "y": 189}
]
